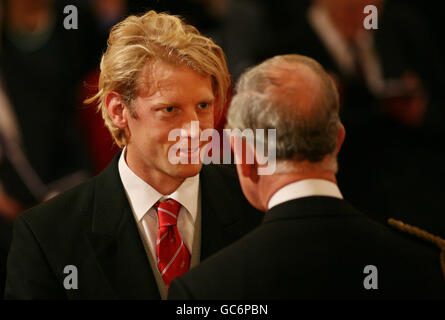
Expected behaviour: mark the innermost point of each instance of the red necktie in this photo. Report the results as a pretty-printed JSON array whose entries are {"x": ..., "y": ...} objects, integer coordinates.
[{"x": 173, "y": 255}]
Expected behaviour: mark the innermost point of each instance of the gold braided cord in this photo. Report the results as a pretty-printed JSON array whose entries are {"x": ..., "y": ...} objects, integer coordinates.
[
  {"x": 423, "y": 235},
  {"x": 417, "y": 232}
]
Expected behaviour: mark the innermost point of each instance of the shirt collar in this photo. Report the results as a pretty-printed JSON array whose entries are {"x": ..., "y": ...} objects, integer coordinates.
[
  {"x": 305, "y": 188},
  {"x": 143, "y": 196}
]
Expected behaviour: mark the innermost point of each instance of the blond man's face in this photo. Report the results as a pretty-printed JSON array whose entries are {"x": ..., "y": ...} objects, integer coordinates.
[{"x": 174, "y": 97}]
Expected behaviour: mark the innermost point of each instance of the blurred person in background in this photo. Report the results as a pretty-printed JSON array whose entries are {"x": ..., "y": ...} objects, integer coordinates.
[
  {"x": 98, "y": 141},
  {"x": 239, "y": 27},
  {"x": 41, "y": 66}
]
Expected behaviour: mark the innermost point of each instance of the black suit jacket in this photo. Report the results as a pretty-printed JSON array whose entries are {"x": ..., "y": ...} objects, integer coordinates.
[
  {"x": 5, "y": 240},
  {"x": 315, "y": 248},
  {"x": 92, "y": 227}
]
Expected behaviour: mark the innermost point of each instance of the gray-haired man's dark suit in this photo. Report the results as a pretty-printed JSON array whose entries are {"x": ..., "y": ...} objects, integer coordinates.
[{"x": 316, "y": 248}]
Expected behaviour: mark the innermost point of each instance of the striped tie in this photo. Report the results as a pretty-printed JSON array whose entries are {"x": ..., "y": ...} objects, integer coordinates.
[{"x": 173, "y": 255}]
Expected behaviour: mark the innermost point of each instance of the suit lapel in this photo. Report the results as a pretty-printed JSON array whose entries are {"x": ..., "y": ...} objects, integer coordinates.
[{"x": 116, "y": 241}]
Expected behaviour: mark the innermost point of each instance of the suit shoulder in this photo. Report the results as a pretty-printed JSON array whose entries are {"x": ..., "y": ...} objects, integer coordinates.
[
  {"x": 63, "y": 206},
  {"x": 393, "y": 235}
]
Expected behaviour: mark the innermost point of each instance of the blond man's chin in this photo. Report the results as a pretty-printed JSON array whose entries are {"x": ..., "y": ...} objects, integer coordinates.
[{"x": 185, "y": 171}]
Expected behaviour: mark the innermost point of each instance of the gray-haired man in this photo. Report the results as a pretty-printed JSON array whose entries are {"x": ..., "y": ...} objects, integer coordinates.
[{"x": 312, "y": 243}]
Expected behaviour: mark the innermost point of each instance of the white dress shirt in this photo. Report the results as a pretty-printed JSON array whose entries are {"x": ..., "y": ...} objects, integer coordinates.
[
  {"x": 142, "y": 197},
  {"x": 305, "y": 188}
]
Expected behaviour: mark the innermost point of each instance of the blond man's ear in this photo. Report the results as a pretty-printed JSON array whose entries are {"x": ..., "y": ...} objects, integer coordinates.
[{"x": 116, "y": 109}]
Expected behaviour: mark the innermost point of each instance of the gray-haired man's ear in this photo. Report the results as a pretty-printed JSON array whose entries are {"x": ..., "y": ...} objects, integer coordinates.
[
  {"x": 245, "y": 158},
  {"x": 340, "y": 138}
]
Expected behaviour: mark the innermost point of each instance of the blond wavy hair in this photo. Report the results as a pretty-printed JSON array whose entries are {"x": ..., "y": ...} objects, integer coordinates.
[{"x": 155, "y": 37}]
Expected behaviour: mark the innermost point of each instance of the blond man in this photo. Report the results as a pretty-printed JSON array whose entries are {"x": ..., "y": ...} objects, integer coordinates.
[{"x": 144, "y": 220}]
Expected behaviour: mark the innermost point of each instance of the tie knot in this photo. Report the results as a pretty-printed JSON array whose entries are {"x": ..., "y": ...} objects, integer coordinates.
[{"x": 167, "y": 212}]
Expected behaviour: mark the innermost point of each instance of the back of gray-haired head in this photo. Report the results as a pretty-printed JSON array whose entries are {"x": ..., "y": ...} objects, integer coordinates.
[{"x": 294, "y": 95}]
